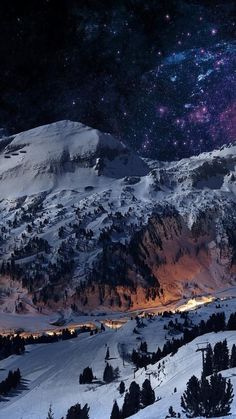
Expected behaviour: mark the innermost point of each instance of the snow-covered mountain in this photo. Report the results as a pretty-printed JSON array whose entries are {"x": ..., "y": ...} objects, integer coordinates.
[
  {"x": 87, "y": 223},
  {"x": 62, "y": 155}
]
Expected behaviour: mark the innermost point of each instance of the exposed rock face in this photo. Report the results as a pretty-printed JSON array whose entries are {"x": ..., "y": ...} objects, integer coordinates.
[
  {"x": 166, "y": 261},
  {"x": 85, "y": 222},
  {"x": 186, "y": 260}
]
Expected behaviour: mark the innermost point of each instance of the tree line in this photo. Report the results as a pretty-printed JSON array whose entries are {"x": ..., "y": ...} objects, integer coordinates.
[
  {"x": 207, "y": 398},
  {"x": 215, "y": 323},
  {"x": 110, "y": 374},
  {"x": 135, "y": 399},
  {"x": 218, "y": 358},
  {"x": 15, "y": 345},
  {"x": 64, "y": 334},
  {"x": 11, "y": 382},
  {"x": 10, "y": 345},
  {"x": 211, "y": 397},
  {"x": 74, "y": 412}
]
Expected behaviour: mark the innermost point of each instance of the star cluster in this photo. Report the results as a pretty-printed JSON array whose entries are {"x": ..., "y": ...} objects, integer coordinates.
[{"x": 196, "y": 111}]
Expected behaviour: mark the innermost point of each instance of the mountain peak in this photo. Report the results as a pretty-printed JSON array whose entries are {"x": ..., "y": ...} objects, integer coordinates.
[
  {"x": 50, "y": 153},
  {"x": 78, "y": 138}
]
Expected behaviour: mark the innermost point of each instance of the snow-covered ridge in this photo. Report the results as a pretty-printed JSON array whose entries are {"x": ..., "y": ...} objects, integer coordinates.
[
  {"x": 79, "y": 138},
  {"x": 58, "y": 155}
]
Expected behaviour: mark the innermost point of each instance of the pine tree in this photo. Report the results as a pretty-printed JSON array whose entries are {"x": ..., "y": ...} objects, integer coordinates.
[
  {"x": 220, "y": 356},
  {"x": 191, "y": 397},
  {"x": 50, "y": 413},
  {"x": 233, "y": 357},
  {"x": 208, "y": 362},
  {"x": 172, "y": 412},
  {"x": 222, "y": 395},
  {"x": 76, "y": 412},
  {"x": 232, "y": 322},
  {"x": 122, "y": 387},
  {"x": 18, "y": 374},
  {"x": 115, "y": 413},
  {"x": 132, "y": 400},
  {"x": 87, "y": 376},
  {"x": 108, "y": 375},
  {"x": 143, "y": 347},
  {"x": 107, "y": 354},
  {"x": 147, "y": 394},
  {"x": 207, "y": 398}
]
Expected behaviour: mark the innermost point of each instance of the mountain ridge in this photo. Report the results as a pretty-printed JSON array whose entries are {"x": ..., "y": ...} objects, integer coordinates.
[{"x": 86, "y": 223}]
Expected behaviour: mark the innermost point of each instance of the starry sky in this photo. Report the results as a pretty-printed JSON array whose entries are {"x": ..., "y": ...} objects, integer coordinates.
[{"x": 159, "y": 74}]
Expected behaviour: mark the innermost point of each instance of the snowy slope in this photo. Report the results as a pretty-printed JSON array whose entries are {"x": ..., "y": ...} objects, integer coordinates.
[
  {"x": 178, "y": 370},
  {"x": 51, "y": 371},
  {"x": 59, "y": 156}
]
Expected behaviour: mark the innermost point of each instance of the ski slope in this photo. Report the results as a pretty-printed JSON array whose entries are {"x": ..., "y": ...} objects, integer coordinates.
[{"x": 51, "y": 371}]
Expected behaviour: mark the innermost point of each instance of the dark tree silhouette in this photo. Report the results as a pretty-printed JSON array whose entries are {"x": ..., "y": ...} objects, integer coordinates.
[
  {"x": 50, "y": 413},
  {"x": 221, "y": 356},
  {"x": 122, "y": 387},
  {"x": 208, "y": 362},
  {"x": 108, "y": 375},
  {"x": 207, "y": 398},
  {"x": 147, "y": 394},
  {"x": 107, "y": 354},
  {"x": 191, "y": 397},
  {"x": 232, "y": 322},
  {"x": 115, "y": 413},
  {"x": 76, "y": 412},
  {"x": 172, "y": 413},
  {"x": 87, "y": 376},
  {"x": 132, "y": 400},
  {"x": 233, "y": 357},
  {"x": 222, "y": 394},
  {"x": 11, "y": 382}
]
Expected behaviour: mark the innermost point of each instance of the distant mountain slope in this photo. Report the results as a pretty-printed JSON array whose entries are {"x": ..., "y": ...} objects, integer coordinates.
[{"x": 87, "y": 223}]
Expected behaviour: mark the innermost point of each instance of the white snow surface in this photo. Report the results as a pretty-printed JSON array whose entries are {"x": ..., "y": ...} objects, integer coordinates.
[
  {"x": 51, "y": 371},
  {"x": 57, "y": 156}
]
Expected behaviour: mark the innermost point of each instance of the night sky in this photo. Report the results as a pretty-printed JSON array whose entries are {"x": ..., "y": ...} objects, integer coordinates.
[{"x": 159, "y": 74}]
